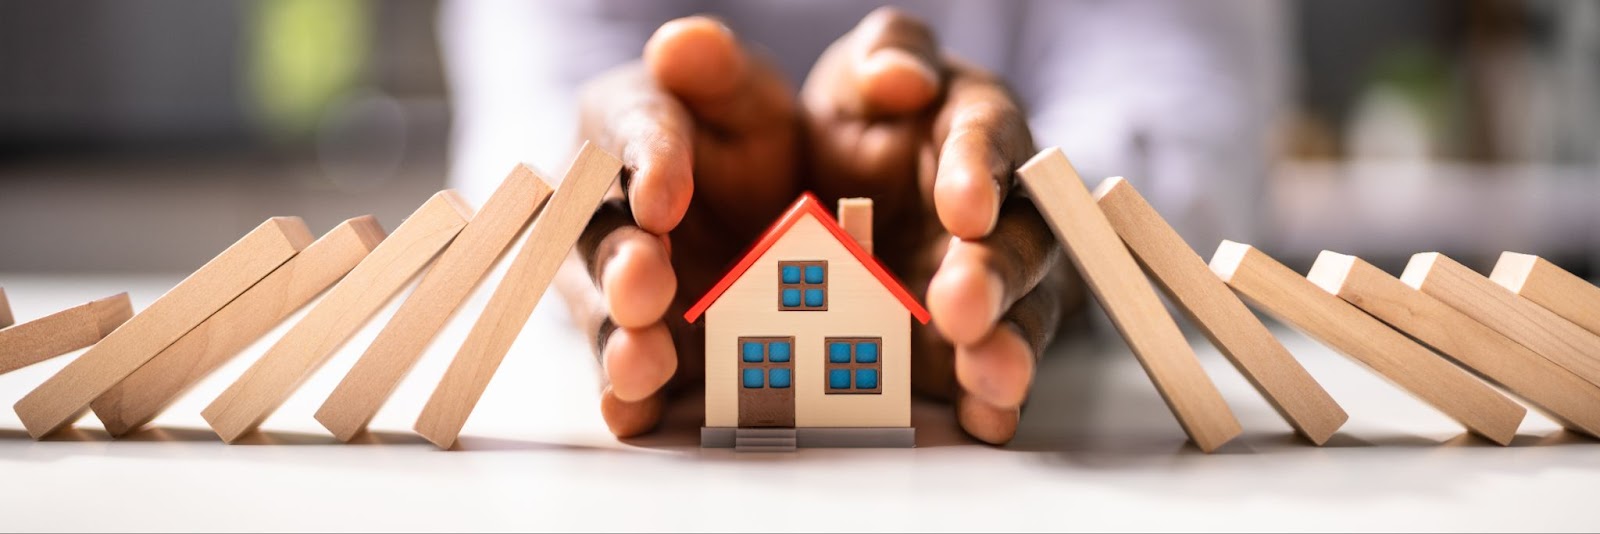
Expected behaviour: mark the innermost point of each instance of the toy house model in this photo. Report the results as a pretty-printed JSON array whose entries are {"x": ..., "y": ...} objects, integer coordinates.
[{"x": 808, "y": 339}]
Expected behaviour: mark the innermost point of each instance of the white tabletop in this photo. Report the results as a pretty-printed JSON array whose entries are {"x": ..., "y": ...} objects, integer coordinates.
[{"x": 1098, "y": 451}]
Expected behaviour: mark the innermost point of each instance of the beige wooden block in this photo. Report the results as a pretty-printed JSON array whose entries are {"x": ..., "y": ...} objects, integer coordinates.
[
  {"x": 549, "y": 239},
  {"x": 1541, "y": 330},
  {"x": 65, "y": 397},
  {"x": 1557, "y": 392},
  {"x": 1346, "y": 329},
  {"x": 61, "y": 332},
  {"x": 855, "y": 216},
  {"x": 446, "y": 285},
  {"x": 6, "y": 319},
  {"x": 272, "y": 379},
  {"x": 1128, "y": 299},
  {"x": 1551, "y": 287},
  {"x": 1224, "y": 319},
  {"x": 148, "y": 391}
]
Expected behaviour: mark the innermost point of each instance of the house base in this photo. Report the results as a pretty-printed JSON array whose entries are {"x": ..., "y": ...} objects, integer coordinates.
[{"x": 776, "y": 439}]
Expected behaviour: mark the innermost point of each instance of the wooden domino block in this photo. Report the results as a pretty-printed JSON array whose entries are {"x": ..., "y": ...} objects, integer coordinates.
[
  {"x": 1128, "y": 299},
  {"x": 61, "y": 332},
  {"x": 1224, "y": 319},
  {"x": 552, "y": 235},
  {"x": 1346, "y": 329},
  {"x": 6, "y": 319},
  {"x": 272, "y": 379},
  {"x": 1541, "y": 330},
  {"x": 1554, "y": 390},
  {"x": 148, "y": 391},
  {"x": 65, "y": 397},
  {"x": 446, "y": 285},
  {"x": 1551, "y": 287}
]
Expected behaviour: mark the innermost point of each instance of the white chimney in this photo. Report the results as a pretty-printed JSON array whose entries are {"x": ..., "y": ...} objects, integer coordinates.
[{"x": 855, "y": 216}]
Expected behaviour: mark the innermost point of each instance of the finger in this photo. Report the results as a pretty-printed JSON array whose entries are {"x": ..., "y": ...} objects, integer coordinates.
[
  {"x": 700, "y": 61},
  {"x": 631, "y": 267},
  {"x": 983, "y": 137},
  {"x": 997, "y": 369},
  {"x": 980, "y": 279},
  {"x": 628, "y": 114},
  {"x": 988, "y": 423},
  {"x": 628, "y": 419},
  {"x": 888, "y": 65},
  {"x": 638, "y": 362}
]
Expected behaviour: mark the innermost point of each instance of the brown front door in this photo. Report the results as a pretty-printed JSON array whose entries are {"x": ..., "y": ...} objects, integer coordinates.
[{"x": 766, "y": 381}]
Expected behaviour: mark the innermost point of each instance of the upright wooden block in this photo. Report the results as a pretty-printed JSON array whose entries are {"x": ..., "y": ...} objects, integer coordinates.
[
  {"x": 1344, "y": 328},
  {"x": 1128, "y": 299},
  {"x": 148, "y": 391},
  {"x": 1551, "y": 287},
  {"x": 1211, "y": 306},
  {"x": 65, "y": 397},
  {"x": 1554, "y": 390},
  {"x": 552, "y": 235},
  {"x": 61, "y": 332},
  {"x": 6, "y": 319},
  {"x": 273, "y": 378},
  {"x": 446, "y": 285},
  {"x": 1557, "y": 339}
]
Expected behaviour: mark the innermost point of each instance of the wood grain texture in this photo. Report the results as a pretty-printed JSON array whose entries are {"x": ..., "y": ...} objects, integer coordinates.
[
  {"x": 63, "y": 398},
  {"x": 62, "y": 332},
  {"x": 1551, "y": 287},
  {"x": 1128, "y": 299},
  {"x": 1341, "y": 326},
  {"x": 446, "y": 285},
  {"x": 272, "y": 379},
  {"x": 1541, "y": 330},
  {"x": 147, "y": 392},
  {"x": 6, "y": 318},
  {"x": 1220, "y": 315},
  {"x": 549, "y": 239},
  {"x": 1558, "y": 393}
]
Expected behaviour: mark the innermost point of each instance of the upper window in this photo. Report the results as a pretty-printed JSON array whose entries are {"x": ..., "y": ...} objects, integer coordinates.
[
  {"x": 802, "y": 285},
  {"x": 853, "y": 365}
]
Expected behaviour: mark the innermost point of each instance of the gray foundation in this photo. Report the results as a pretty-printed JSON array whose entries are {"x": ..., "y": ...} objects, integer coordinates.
[{"x": 779, "y": 439}]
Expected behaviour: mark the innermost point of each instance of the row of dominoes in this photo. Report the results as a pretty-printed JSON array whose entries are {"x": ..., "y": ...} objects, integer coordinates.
[
  {"x": 1530, "y": 327},
  {"x": 138, "y": 364}
]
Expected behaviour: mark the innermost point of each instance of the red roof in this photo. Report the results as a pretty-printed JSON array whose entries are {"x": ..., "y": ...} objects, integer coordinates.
[{"x": 808, "y": 204}]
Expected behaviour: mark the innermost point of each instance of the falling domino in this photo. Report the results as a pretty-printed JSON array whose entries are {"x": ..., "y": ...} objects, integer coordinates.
[
  {"x": 1551, "y": 287},
  {"x": 6, "y": 319},
  {"x": 1211, "y": 306},
  {"x": 1560, "y": 394},
  {"x": 391, "y": 356},
  {"x": 1341, "y": 326},
  {"x": 63, "y": 398},
  {"x": 1128, "y": 299},
  {"x": 1540, "y": 330},
  {"x": 272, "y": 379},
  {"x": 147, "y": 392},
  {"x": 61, "y": 332},
  {"x": 551, "y": 236}
]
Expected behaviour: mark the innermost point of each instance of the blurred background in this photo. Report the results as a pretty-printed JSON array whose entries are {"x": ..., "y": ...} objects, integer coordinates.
[{"x": 146, "y": 135}]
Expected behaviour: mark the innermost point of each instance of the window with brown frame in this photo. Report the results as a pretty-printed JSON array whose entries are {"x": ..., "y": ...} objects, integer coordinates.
[
  {"x": 803, "y": 285},
  {"x": 854, "y": 365}
]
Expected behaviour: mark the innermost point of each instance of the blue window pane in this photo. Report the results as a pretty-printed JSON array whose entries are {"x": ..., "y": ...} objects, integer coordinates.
[
  {"x": 866, "y": 378},
  {"x": 791, "y": 298},
  {"x": 751, "y": 351},
  {"x": 752, "y": 378},
  {"x": 839, "y": 379},
  {"x": 867, "y": 352},
  {"x": 778, "y": 378},
  {"x": 790, "y": 274},
  {"x": 839, "y": 352},
  {"x": 814, "y": 298},
  {"x": 814, "y": 274},
  {"x": 778, "y": 351}
]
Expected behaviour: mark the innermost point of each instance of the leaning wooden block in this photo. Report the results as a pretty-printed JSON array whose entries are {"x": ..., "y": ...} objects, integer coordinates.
[
  {"x": 147, "y": 392},
  {"x": 273, "y": 378},
  {"x": 1211, "y": 306},
  {"x": 1128, "y": 299},
  {"x": 451, "y": 279},
  {"x": 6, "y": 319},
  {"x": 65, "y": 397},
  {"x": 1557, "y": 392},
  {"x": 552, "y": 235},
  {"x": 61, "y": 332},
  {"x": 1552, "y": 287},
  {"x": 1540, "y": 330},
  {"x": 1344, "y": 328}
]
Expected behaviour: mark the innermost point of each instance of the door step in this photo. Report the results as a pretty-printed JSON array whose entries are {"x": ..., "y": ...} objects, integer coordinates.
[{"x": 765, "y": 440}]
